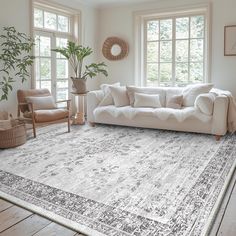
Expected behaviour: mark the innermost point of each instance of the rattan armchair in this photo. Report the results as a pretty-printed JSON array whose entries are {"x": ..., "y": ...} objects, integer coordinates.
[{"x": 36, "y": 117}]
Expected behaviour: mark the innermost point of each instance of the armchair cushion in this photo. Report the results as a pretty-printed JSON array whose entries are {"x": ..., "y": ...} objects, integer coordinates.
[
  {"x": 22, "y": 94},
  {"x": 42, "y": 116},
  {"x": 41, "y": 103}
]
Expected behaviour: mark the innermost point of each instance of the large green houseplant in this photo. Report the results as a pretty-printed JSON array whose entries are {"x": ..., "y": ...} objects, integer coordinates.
[
  {"x": 15, "y": 59},
  {"x": 76, "y": 55}
]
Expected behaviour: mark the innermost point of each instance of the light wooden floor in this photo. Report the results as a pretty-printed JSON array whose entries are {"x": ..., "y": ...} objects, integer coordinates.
[{"x": 16, "y": 221}]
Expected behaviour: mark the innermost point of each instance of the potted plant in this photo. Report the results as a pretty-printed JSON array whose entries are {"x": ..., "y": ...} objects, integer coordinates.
[
  {"x": 76, "y": 54},
  {"x": 15, "y": 59}
]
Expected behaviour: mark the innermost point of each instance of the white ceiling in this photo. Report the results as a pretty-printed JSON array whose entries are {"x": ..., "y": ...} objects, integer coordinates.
[{"x": 100, "y": 3}]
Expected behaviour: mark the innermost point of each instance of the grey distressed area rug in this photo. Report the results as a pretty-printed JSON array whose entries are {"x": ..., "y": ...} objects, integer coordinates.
[{"x": 120, "y": 181}]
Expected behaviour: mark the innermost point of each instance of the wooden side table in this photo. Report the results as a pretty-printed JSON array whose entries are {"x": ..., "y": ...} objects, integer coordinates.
[{"x": 79, "y": 118}]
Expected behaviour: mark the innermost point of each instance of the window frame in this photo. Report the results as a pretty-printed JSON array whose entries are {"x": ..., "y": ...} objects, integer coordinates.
[
  {"x": 58, "y": 13},
  {"x": 74, "y": 34},
  {"x": 140, "y": 37}
]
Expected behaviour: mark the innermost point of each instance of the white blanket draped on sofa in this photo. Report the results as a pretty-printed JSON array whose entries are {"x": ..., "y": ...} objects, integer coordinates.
[
  {"x": 231, "y": 109},
  {"x": 161, "y": 113}
]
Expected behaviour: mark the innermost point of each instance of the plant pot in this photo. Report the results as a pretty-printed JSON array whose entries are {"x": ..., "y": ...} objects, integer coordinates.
[{"x": 79, "y": 85}]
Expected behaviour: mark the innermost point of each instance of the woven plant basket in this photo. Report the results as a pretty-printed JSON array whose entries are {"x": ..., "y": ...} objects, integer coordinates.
[{"x": 14, "y": 136}]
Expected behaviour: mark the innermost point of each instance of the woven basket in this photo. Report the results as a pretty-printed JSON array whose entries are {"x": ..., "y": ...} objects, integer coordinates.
[{"x": 14, "y": 136}]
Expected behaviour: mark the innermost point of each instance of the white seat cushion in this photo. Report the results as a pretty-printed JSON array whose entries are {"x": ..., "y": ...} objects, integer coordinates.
[{"x": 130, "y": 113}]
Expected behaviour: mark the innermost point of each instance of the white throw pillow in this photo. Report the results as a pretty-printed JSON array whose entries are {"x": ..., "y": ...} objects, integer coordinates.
[
  {"x": 106, "y": 87},
  {"x": 147, "y": 100},
  {"x": 119, "y": 95},
  {"x": 205, "y": 103},
  {"x": 175, "y": 102},
  {"x": 107, "y": 100},
  {"x": 191, "y": 92},
  {"x": 41, "y": 103},
  {"x": 131, "y": 90}
]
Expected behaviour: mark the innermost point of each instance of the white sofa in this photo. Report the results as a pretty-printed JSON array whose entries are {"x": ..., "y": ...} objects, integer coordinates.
[{"x": 189, "y": 119}]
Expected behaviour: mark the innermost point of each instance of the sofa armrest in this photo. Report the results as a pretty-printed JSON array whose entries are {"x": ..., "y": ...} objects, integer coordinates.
[
  {"x": 93, "y": 99},
  {"x": 220, "y": 115}
]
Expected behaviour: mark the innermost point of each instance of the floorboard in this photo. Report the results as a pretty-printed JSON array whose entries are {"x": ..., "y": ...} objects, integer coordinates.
[
  {"x": 4, "y": 205},
  {"x": 27, "y": 227},
  {"x": 54, "y": 229},
  {"x": 12, "y": 216}
]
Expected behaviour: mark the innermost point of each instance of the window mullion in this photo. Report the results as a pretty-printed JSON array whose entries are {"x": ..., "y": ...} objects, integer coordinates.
[
  {"x": 53, "y": 67},
  {"x": 145, "y": 73},
  {"x": 173, "y": 79},
  {"x": 159, "y": 54},
  {"x": 189, "y": 49}
]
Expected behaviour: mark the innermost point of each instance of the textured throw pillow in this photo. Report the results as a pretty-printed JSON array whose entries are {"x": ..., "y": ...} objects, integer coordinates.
[
  {"x": 131, "y": 90},
  {"x": 107, "y": 100},
  {"x": 205, "y": 103},
  {"x": 191, "y": 92},
  {"x": 175, "y": 102},
  {"x": 119, "y": 95},
  {"x": 41, "y": 103},
  {"x": 106, "y": 87},
  {"x": 147, "y": 100}
]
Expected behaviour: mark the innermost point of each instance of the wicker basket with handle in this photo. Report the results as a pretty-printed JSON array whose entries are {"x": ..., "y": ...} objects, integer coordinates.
[{"x": 14, "y": 136}]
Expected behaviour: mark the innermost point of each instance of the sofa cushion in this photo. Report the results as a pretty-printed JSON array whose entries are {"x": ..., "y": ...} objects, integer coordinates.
[
  {"x": 191, "y": 92},
  {"x": 106, "y": 87},
  {"x": 175, "y": 102},
  {"x": 163, "y": 114},
  {"x": 205, "y": 103},
  {"x": 172, "y": 91},
  {"x": 108, "y": 99},
  {"x": 119, "y": 95},
  {"x": 131, "y": 90},
  {"x": 41, "y": 103},
  {"x": 147, "y": 100},
  {"x": 50, "y": 115}
]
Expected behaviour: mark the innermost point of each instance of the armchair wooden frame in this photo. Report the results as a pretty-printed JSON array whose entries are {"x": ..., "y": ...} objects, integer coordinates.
[{"x": 32, "y": 121}]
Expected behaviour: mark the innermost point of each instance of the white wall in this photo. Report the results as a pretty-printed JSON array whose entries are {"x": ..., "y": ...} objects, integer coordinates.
[
  {"x": 118, "y": 21},
  {"x": 17, "y": 13},
  {"x": 14, "y": 13}
]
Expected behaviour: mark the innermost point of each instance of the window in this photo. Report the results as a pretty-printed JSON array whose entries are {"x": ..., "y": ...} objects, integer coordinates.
[
  {"x": 175, "y": 49},
  {"x": 52, "y": 29},
  {"x": 171, "y": 48}
]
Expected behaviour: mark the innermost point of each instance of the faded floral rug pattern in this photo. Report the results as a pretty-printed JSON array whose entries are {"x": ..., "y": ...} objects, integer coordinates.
[{"x": 120, "y": 181}]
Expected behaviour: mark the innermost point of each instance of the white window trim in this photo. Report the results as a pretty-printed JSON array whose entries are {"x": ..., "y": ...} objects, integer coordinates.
[
  {"x": 141, "y": 17},
  {"x": 76, "y": 29}
]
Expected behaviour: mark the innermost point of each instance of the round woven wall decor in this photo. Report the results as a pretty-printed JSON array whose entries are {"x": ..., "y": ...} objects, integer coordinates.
[{"x": 115, "y": 42}]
